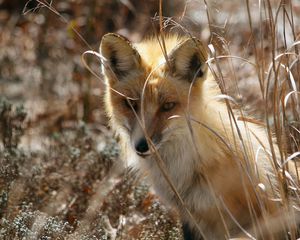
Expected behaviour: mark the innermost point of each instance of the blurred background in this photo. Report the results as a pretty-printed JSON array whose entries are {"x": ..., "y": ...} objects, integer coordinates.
[{"x": 61, "y": 175}]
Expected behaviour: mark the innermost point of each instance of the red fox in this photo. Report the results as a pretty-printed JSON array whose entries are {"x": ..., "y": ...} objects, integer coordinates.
[{"x": 164, "y": 107}]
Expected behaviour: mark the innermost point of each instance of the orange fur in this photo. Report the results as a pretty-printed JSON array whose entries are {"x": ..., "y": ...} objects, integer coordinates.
[{"x": 210, "y": 160}]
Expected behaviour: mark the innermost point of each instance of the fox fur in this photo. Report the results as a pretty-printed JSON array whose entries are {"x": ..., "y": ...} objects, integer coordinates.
[{"x": 164, "y": 102}]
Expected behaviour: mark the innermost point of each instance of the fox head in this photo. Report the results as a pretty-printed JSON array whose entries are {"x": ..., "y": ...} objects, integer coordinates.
[{"x": 149, "y": 92}]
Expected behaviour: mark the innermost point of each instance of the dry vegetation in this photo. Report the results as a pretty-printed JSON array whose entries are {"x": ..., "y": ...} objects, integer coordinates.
[{"x": 61, "y": 176}]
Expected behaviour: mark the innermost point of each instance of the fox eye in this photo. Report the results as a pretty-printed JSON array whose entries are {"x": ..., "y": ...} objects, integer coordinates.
[
  {"x": 168, "y": 106},
  {"x": 129, "y": 103}
]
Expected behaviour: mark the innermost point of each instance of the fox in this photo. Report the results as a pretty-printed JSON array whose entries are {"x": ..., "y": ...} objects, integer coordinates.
[{"x": 215, "y": 169}]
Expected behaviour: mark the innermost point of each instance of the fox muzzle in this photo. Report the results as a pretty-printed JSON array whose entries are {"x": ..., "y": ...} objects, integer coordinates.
[{"x": 142, "y": 147}]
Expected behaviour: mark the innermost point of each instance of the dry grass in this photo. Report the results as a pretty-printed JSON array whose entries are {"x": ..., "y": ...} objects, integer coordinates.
[{"x": 276, "y": 87}]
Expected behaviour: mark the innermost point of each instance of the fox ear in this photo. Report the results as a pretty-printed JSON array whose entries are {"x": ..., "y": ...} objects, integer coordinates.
[
  {"x": 121, "y": 58},
  {"x": 188, "y": 60}
]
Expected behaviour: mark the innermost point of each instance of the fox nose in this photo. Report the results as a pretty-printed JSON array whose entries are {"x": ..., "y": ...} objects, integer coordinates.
[{"x": 142, "y": 146}]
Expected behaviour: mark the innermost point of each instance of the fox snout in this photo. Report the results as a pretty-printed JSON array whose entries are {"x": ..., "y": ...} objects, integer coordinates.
[
  {"x": 141, "y": 144},
  {"x": 141, "y": 147}
]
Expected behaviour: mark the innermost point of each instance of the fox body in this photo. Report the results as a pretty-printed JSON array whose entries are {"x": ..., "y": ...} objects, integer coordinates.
[{"x": 163, "y": 105}]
